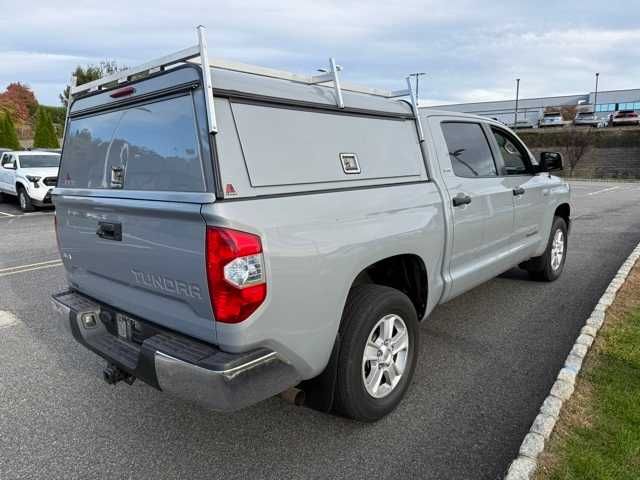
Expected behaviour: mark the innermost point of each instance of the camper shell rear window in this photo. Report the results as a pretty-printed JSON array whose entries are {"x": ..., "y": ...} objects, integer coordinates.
[{"x": 155, "y": 143}]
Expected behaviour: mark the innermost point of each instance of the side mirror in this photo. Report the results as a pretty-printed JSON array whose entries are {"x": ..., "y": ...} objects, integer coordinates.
[
  {"x": 10, "y": 166},
  {"x": 550, "y": 161}
]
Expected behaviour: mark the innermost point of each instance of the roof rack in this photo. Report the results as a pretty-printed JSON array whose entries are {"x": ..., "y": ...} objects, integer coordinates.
[{"x": 199, "y": 54}]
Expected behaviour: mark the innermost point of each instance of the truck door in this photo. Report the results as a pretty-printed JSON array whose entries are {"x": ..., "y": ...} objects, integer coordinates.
[
  {"x": 4, "y": 158},
  {"x": 7, "y": 176},
  {"x": 531, "y": 192},
  {"x": 481, "y": 202}
]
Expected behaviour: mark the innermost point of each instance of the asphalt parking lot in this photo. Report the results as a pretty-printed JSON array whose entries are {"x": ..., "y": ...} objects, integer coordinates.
[{"x": 487, "y": 361}]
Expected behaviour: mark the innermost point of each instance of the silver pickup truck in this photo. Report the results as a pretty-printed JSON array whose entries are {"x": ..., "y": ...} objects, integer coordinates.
[{"x": 230, "y": 233}]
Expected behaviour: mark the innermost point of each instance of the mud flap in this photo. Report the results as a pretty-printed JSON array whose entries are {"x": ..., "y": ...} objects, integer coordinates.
[{"x": 319, "y": 391}]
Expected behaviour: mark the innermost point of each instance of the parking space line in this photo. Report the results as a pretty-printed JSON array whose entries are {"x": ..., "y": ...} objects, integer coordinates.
[
  {"x": 37, "y": 264},
  {"x": 7, "y": 319},
  {"x": 29, "y": 268},
  {"x": 597, "y": 192},
  {"x": 25, "y": 215}
]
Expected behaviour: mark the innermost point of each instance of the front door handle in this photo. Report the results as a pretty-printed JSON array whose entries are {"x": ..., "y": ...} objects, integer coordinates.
[
  {"x": 461, "y": 199},
  {"x": 518, "y": 191}
]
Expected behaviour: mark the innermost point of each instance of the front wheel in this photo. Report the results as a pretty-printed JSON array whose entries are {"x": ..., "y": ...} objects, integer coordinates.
[
  {"x": 549, "y": 266},
  {"x": 379, "y": 348},
  {"x": 25, "y": 201}
]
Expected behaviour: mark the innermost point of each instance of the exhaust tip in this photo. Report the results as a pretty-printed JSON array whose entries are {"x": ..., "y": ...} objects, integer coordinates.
[{"x": 294, "y": 396}]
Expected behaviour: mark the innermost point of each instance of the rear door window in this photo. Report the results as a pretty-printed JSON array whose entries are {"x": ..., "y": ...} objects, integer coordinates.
[
  {"x": 156, "y": 144},
  {"x": 469, "y": 150}
]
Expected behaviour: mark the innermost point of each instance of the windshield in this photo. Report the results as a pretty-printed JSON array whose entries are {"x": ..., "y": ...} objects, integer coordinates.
[
  {"x": 39, "y": 161},
  {"x": 551, "y": 115}
]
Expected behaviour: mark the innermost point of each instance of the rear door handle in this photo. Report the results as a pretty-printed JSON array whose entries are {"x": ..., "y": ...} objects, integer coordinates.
[
  {"x": 110, "y": 231},
  {"x": 461, "y": 199},
  {"x": 518, "y": 191}
]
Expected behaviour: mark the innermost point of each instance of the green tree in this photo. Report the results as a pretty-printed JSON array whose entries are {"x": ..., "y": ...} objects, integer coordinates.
[
  {"x": 8, "y": 134},
  {"x": 89, "y": 74},
  {"x": 45, "y": 136}
]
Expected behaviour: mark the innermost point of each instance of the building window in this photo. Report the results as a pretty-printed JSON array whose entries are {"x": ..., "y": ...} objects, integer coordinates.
[
  {"x": 630, "y": 106},
  {"x": 606, "y": 107}
]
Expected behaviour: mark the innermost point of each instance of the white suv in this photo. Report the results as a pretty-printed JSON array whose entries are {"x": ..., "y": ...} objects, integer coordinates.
[{"x": 30, "y": 176}]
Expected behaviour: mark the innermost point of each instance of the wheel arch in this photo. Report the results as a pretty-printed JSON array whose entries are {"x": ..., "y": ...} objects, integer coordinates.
[
  {"x": 405, "y": 272},
  {"x": 20, "y": 184},
  {"x": 564, "y": 211}
]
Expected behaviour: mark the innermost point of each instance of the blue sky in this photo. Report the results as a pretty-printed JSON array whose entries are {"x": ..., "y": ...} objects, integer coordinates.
[{"x": 471, "y": 50}]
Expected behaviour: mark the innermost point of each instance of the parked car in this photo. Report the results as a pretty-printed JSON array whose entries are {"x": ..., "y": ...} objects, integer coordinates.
[
  {"x": 587, "y": 119},
  {"x": 522, "y": 125},
  {"x": 624, "y": 117},
  {"x": 300, "y": 248},
  {"x": 552, "y": 119},
  {"x": 30, "y": 176}
]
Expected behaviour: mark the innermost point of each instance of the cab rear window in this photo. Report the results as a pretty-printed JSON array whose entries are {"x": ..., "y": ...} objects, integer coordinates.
[{"x": 155, "y": 145}]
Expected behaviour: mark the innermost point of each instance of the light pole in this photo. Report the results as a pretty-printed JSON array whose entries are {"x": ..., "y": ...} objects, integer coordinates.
[
  {"x": 595, "y": 97},
  {"x": 515, "y": 120},
  {"x": 417, "y": 75}
]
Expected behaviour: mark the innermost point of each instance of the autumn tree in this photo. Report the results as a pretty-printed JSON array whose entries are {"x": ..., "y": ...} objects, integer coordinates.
[
  {"x": 89, "y": 74},
  {"x": 20, "y": 102},
  {"x": 45, "y": 136}
]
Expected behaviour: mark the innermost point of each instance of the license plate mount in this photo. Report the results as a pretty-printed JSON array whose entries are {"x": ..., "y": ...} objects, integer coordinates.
[{"x": 125, "y": 326}]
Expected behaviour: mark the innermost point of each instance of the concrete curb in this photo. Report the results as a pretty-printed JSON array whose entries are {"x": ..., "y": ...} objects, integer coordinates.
[{"x": 525, "y": 465}]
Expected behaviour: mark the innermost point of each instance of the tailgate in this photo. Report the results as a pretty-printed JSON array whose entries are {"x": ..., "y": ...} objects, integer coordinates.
[
  {"x": 133, "y": 178},
  {"x": 144, "y": 257}
]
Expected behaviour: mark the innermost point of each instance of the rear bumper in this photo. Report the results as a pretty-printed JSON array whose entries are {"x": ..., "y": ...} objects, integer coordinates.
[{"x": 176, "y": 364}]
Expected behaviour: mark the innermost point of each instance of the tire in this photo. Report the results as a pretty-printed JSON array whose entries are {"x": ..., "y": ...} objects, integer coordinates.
[
  {"x": 24, "y": 200},
  {"x": 546, "y": 268},
  {"x": 368, "y": 309}
]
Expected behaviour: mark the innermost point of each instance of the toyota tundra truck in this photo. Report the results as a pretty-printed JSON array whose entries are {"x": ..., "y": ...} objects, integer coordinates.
[{"x": 232, "y": 232}]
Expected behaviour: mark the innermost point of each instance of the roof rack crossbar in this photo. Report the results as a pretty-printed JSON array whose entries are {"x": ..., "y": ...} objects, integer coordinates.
[
  {"x": 414, "y": 107},
  {"x": 206, "y": 80},
  {"x": 331, "y": 76}
]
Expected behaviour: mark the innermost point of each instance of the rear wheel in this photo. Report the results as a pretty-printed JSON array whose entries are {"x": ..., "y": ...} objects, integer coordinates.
[
  {"x": 378, "y": 353},
  {"x": 24, "y": 200},
  {"x": 549, "y": 266}
]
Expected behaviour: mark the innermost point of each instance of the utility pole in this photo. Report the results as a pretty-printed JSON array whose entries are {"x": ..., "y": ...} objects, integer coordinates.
[
  {"x": 417, "y": 75},
  {"x": 515, "y": 120},
  {"x": 595, "y": 97}
]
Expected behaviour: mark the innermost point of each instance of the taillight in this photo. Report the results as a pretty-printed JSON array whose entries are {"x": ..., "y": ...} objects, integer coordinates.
[
  {"x": 235, "y": 271},
  {"x": 123, "y": 92}
]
